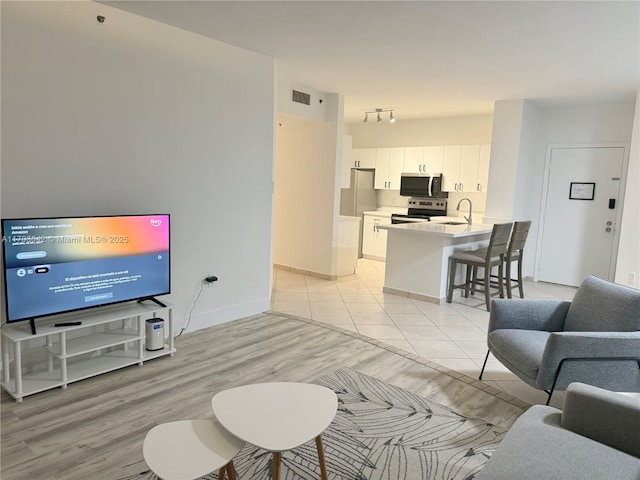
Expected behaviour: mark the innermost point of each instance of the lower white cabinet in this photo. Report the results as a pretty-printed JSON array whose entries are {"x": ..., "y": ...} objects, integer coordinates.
[
  {"x": 107, "y": 339},
  {"x": 374, "y": 240}
]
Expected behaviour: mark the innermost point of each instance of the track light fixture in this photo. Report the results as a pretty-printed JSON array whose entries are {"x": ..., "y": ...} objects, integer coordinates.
[{"x": 378, "y": 111}]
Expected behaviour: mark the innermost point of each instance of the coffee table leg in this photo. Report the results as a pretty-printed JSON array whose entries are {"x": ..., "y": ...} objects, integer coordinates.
[
  {"x": 221, "y": 473},
  {"x": 276, "y": 466},
  {"x": 231, "y": 472},
  {"x": 323, "y": 466}
]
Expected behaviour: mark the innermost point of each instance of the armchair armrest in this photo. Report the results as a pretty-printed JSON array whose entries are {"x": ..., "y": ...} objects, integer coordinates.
[
  {"x": 611, "y": 346},
  {"x": 544, "y": 315},
  {"x": 604, "y": 416},
  {"x": 562, "y": 345}
]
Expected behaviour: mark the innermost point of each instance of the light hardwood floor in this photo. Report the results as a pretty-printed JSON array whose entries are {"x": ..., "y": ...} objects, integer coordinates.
[{"x": 96, "y": 427}]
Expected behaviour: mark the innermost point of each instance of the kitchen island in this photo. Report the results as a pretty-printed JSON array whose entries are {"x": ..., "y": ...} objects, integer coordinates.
[{"x": 418, "y": 256}]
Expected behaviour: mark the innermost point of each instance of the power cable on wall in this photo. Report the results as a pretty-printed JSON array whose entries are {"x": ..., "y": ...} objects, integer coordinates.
[{"x": 193, "y": 305}]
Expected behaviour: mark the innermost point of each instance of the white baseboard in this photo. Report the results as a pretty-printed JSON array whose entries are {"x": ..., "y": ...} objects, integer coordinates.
[{"x": 222, "y": 315}]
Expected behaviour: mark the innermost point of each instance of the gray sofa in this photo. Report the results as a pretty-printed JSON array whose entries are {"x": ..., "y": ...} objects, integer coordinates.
[{"x": 595, "y": 437}]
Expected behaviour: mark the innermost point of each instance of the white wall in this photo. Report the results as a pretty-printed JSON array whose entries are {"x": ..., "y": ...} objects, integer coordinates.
[
  {"x": 415, "y": 133},
  {"x": 522, "y": 132},
  {"x": 629, "y": 248},
  {"x": 306, "y": 176},
  {"x": 134, "y": 116},
  {"x": 505, "y": 155}
]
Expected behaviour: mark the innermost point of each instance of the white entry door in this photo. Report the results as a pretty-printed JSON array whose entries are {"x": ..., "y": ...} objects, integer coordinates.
[{"x": 579, "y": 216}]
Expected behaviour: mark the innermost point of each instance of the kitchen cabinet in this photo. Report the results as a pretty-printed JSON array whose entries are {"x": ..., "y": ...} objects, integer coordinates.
[
  {"x": 451, "y": 168},
  {"x": 433, "y": 159},
  {"x": 346, "y": 163},
  {"x": 413, "y": 159},
  {"x": 460, "y": 168},
  {"x": 363, "y": 158},
  {"x": 423, "y": 159},
  {"x": 483, "y": 168},
  {"x": 374, "y": 240},
  {"x": 389, "y": 164}
]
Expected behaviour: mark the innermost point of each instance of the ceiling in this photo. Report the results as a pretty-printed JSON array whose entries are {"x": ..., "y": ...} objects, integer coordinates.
[{"x": 426, "y": 58}]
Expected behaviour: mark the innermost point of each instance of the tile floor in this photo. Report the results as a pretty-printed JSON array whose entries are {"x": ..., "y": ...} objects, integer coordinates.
[{"x": 453, "y": 335}]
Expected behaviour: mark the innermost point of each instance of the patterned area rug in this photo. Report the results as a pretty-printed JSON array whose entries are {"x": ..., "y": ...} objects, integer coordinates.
[{"x": 380, "y": 432}]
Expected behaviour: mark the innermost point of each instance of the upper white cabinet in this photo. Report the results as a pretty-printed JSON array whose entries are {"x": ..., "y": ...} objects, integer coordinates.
[
  {"x": 423, "y": 159},
  {"x": 483, "y": 168},
  {"x": 433, "y": 159},
  {"x": 345, "y": 171},
  {"x": 469, "y": 168},
  {"x": 451, "y": 168},
  {"x": 363, "y": 158},
  {"x": 465, "y": 168},
  {"x": 389, "y": 165},
  {"x": 460, "y": 169},
  {"x": 413, "y": 159}
]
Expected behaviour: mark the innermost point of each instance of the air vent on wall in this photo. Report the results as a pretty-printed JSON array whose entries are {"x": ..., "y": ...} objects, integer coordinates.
[{"x": 300, "y": 97}]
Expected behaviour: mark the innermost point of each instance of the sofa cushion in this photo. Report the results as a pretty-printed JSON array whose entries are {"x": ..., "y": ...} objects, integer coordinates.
[
  {"x": 523, "y": 348},
  {"x": 601, "y": 306},
  {"x": 538, "y": 448}
]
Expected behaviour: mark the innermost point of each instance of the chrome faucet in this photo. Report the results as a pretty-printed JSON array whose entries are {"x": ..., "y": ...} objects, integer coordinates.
[{"x": 470, "y": 208}]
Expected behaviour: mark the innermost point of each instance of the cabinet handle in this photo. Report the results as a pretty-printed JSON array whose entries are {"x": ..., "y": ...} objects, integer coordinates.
[
  {"x": 455, "y": 187},
  {"x": 479, "y": 187},
  {"x": 461, "y": 187},
  {"x": 420, "y": 168},
  {"x": 424, "y": 168}
]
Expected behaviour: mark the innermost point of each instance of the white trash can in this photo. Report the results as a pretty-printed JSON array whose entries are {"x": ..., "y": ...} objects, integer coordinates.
[{"x": 154, "y": 334}]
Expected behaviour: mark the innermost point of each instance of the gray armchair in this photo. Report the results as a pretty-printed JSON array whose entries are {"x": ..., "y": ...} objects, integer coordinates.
[{"x": 594, "y": 339}]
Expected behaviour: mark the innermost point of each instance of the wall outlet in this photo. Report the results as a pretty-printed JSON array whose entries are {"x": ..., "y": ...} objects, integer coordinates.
[{"x": 632, "y": 278}]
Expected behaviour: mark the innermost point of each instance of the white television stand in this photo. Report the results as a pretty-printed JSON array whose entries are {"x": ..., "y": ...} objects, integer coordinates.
[{"x": 109, "y": 338}]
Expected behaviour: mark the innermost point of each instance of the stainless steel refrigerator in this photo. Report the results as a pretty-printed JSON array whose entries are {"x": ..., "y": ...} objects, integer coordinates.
[{"x": 361, "y": 197}]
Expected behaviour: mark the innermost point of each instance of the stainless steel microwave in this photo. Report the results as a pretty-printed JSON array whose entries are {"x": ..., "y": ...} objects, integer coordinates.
[{"x": 422, "y": 185}]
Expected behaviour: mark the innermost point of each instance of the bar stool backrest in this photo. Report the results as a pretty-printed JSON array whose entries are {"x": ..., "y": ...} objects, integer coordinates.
[
  {"x": 499, "y": 239},
  {"x": 518, "y": 237}
]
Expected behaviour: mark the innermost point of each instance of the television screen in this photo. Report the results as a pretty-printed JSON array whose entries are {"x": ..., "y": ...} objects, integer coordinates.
[{"x": 55, "y": 265}]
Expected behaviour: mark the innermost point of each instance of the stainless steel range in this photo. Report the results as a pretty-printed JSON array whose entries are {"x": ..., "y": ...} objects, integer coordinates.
[{"x": 421, "y": 210}]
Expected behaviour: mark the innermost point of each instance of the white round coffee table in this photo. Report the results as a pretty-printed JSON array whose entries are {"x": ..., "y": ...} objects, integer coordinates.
[
  {"x": 189, "y": 449},
  {"x": 277, "y": 416}
]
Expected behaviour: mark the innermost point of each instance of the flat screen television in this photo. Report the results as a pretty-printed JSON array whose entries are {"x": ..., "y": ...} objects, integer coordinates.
[{"x": 58, "y": 265}]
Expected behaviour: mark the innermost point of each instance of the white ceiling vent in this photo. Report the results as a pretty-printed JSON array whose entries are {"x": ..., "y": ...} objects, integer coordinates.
[{"x": 300, "y": 97}]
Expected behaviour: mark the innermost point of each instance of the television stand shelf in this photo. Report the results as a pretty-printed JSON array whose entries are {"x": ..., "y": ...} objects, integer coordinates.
[{"x": 107, "y": 339}]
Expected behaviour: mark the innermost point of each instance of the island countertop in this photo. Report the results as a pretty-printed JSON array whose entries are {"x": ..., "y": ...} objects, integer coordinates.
[{"x": 441, "y": 229}]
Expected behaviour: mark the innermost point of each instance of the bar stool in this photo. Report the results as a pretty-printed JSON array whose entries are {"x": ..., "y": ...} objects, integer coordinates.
[
  {"x": 515, "y": 251},
  {"x": 190, "y": 449},
  {"x": 486, "y": 258}
]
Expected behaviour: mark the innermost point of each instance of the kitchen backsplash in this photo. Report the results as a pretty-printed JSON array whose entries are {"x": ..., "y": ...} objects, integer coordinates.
[{"x": 392, "y": 198}]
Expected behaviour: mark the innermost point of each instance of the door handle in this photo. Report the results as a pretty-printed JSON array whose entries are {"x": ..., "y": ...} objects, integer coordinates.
[{"x": 608, "y": 229}]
